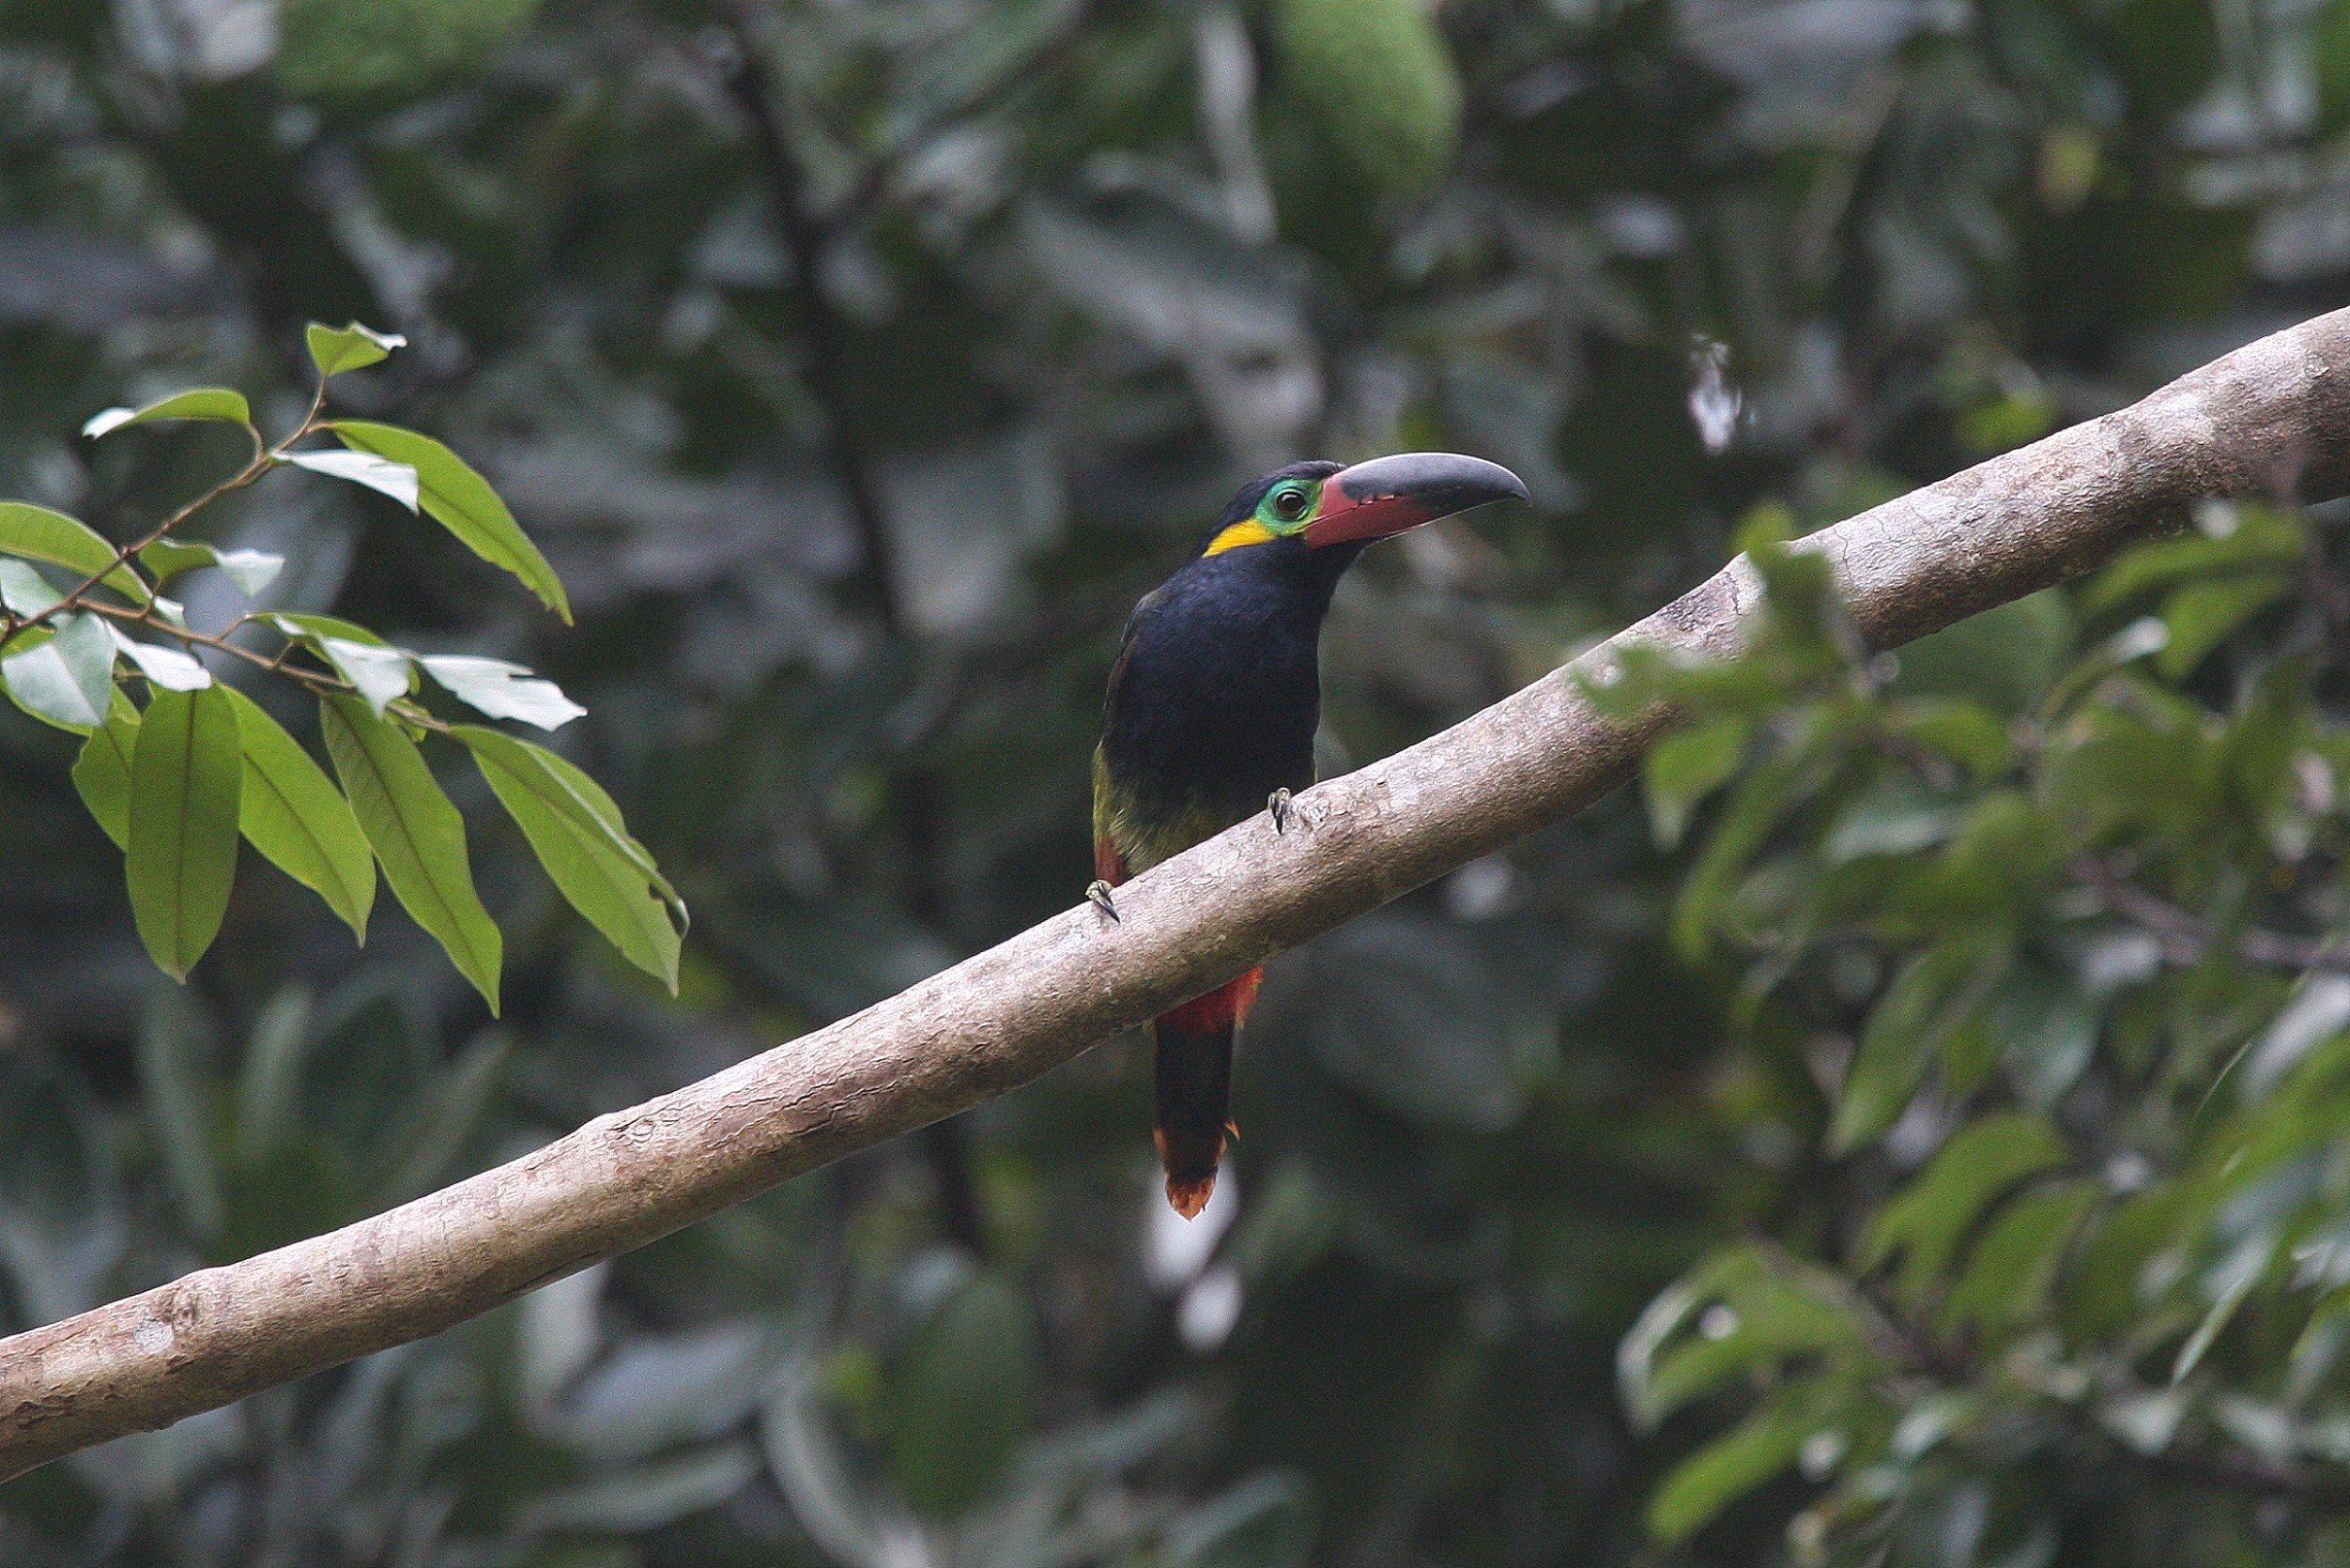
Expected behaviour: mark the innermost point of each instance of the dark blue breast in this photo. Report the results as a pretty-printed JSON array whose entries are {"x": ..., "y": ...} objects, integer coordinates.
[{"x": 1217, "y": 691}]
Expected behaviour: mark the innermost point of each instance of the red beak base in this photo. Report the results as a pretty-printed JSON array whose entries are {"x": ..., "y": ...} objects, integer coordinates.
[{"x": 1386, "y": 496}]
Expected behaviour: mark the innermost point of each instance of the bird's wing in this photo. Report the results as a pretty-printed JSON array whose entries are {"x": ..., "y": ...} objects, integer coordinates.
[{"x": 1109, "y": 855}]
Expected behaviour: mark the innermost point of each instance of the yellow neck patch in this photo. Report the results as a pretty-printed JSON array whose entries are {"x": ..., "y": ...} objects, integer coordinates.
[{"x": 1247, "y": 532}]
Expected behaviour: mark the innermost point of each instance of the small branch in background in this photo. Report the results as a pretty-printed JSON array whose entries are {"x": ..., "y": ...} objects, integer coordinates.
[
  {"x": 2188, "y": 939},
  {"x": 2235, "y": 1470}
]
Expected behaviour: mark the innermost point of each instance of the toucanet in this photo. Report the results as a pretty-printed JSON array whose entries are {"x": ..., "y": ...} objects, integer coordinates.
[{"x": 1210, "y": 717}]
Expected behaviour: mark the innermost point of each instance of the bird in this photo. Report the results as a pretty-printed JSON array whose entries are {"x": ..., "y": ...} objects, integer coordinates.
[{"x": 1210, "y": 716}]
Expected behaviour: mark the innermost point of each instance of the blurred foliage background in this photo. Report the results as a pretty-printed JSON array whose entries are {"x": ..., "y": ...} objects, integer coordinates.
[{"x": 1911, "y": 1130}]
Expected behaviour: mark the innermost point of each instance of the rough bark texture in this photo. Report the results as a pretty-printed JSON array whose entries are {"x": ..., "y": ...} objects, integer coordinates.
[{"x": 2272, "y": 419}]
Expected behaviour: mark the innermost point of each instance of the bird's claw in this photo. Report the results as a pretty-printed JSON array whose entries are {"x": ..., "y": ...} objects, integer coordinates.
[
  {"x": 1098, "y": 896},
  {"x": 1278, "y": 804}
]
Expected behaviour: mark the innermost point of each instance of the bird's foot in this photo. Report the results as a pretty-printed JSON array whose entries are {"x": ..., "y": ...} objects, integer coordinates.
[
  {"x": 1278, "y": 804},
  {"x": 1098, "y": 896}
]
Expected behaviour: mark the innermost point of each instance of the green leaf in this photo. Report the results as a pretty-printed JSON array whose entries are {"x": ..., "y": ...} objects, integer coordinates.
[
  {"x": 268, "y": 1086},
  {"x": 1688, "y": 765},
  {"x": 1265, "y": 1521},
  {"x": 1377, "y": 80},
  {"x": 2201, "y": 614},
  {"x": 641, "y": 1497},
  {"x": 1760, "y": 1325},
  {"x": 501, "y": 690},
  {"x": 2232, "y": 536},
  {"x": 1928, "y": 1221},
  {"x": 1967, "y": 733},
  {"x": 336, "y": 349},
  {"x": 382, "y": 675},
  {"x": 959, "y": 1411},
  {"x": 103, "y": 773},
  {"x": 210, "y": 403},
  {"x": 2236, "y": 1276},
  {"x": 2001, "y": 659},
  {"x": 446, "y": 1113},
  {"x": 1726, "y": 1469},
  {"x": 464, "y": 503},
  {"x": 301, "y": 824},
  {"x": 2008, "y": 1272},
  {"x": 1933, "y": 997},
  {"x": 68, "y": 679},
  {"x": 37, "y": 533},
  {"x": 171, "y": 1083},
  {"x": 418, "y": 835},
  {"x": 578, "y": 834},
  {"x": 311, "y": 627},
  {"x": 182, "y": 860}
]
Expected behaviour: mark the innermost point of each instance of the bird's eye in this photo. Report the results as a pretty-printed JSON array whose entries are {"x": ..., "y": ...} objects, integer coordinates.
[{"x": 1289, "y": 505}]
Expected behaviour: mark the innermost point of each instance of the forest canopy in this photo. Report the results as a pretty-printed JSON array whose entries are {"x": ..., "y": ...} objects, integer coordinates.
[{"x": 1908, "y": 1129}]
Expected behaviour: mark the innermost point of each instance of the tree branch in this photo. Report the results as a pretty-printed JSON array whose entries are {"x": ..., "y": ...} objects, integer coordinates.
[{"x": 2272, "y": 419}]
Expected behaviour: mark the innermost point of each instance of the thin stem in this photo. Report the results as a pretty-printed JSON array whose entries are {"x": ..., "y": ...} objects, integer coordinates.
[
  {"x": 319, "y": 680},
  {"x": 265, "y": 457}
]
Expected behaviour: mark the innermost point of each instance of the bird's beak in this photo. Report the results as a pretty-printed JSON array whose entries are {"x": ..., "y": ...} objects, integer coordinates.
[{"x": 1384, "y": 496}]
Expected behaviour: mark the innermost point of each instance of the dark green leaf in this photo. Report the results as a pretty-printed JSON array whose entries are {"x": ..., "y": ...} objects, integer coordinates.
[
  {"x": 1263, "y": 1522},
  {"x": 447, "y": 1113},
  {"x": 2009, "y": 1271},
  {"x": 102, "y": 774},
  {"x": 2001, "y": 659},
  {"x": 1688, "y": 765},
  {"x": 173, "y": 1081},
  {"x": 463, "y": 502},
  {"x": 1981, "y": 1160},
  {"x": 418, "y": 835},
  {"x": 293, "y": 815},
  {"x": 1936, "y": 994},
  {"x": 268, "y": 1087},
  {"x": 648, "y": 1496},
  {"x": 182, "y": 860},
  {"x": 578, "y": 837},
  {"x": 961, "y": 1405},
  {"x": 2201, "y": 615},
  {"x": 1726, "y": 1469},
  {"x": 1741, "y": 1309}
]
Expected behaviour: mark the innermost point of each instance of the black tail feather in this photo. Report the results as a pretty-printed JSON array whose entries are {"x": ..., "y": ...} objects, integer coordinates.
[{"x": 1194, "y": 1110}]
